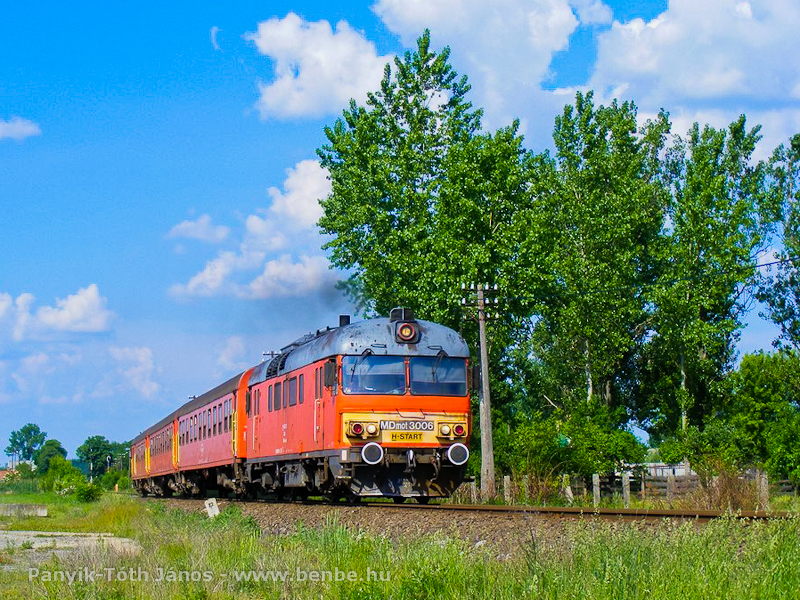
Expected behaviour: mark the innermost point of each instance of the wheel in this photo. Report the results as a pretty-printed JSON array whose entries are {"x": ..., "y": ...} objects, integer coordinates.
[
  {"x": 399, "y": 499},
  {"x": 423, "y": 499}
]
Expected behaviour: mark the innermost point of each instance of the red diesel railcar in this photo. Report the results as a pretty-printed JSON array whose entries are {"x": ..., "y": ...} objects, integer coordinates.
[{"x": 375, "y": 408}]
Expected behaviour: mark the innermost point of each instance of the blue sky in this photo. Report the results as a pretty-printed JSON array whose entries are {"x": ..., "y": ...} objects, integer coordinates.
[{"x": 159, "y": 183}]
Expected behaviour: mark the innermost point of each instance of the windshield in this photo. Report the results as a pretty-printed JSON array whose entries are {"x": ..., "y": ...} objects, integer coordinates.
[
  {"x": 373, "y": 375},
  {"x": 439, "y": 376}
]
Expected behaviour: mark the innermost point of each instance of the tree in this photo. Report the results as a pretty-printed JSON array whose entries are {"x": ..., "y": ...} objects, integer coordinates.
[
  {"x": 593, "y": 230},
  {"x": 720, "y": 215},
  {"x": 25, "y": 441},
  {"x": 781, "y": 293},
  {"x": 43, "y": 456},
  {"x": 421, "y": 200},
  {"x": 95, "y": 451},
  {"x": 766, "y": 408}
]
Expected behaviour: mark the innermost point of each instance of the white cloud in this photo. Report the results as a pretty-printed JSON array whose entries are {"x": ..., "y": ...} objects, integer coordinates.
[
  {"x": 317, "y": 69},
  {"x": 17, "y": 128},
  {"x": 84, "y": 311},
  {"x": 232, "y": 357},
  {"x": 31, "y": 367},
  {"x": 213, "y": 34},
  {"x": 304, "y": 186},
  {"x": 592, "y": 12},
  {"x": 504, "y": 47},
  {"x": 284, "y": 278},
  {"x": 201, "y": 229},
  {"x": 694, "y": 51},
  {"x": 211, "y": 279},
  {"x": 287, "y": 227},
  {"x": 136, "y": 368}
]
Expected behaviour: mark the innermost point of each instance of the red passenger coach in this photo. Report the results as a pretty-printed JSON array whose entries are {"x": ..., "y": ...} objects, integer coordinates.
[{"x": 375, "y": 408}]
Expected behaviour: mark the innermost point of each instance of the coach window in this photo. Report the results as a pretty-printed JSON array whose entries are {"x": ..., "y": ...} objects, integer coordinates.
[
  {"x": 208, "y": 423},
  {"x": 269, "y": 399},
  {"x": 219, "y": 419},
  {"x": 277, "y": 403},
  {"x": 225, "y": 414},
  {"x": 300, "y": 388},
  {"x": 214, "y": 421},
  {"x": 293, "y": 391}
]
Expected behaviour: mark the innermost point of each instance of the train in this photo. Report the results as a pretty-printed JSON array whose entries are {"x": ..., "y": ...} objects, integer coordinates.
[{"x": 375, "y": 408}]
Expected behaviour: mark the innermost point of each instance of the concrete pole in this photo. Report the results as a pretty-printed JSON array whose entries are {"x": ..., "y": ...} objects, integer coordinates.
[{"x": 485, "y": 413}]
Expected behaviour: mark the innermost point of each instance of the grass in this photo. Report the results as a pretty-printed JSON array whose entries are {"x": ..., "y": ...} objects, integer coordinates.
[
  {"x": 114, "y": 513},
  {"x": 724, "y": 559}
]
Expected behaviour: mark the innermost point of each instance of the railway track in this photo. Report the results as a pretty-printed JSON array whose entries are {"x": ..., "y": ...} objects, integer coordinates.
[
  {"x": 577, "y": 512},
  {"x": 550, "y": 512}
]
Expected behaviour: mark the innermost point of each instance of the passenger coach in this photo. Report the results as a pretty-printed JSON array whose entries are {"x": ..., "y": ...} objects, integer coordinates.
[{"x": 375, "y": 408}]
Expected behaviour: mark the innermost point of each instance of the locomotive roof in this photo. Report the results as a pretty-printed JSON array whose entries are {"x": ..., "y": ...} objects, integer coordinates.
[{"x": 374, "y": 335}]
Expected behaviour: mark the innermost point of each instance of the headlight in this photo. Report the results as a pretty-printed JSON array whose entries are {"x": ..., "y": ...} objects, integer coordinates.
[{"x": 445, "y": 429}]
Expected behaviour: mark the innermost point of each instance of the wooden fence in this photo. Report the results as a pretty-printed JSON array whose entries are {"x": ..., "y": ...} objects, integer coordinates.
[{"x": 639, "y": 485}]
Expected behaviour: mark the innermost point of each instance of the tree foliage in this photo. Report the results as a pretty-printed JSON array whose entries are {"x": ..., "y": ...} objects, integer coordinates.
[
  {"x": 781, "y": 293},
  {"x": 719, "y": 216},
  {"x": 95, "y": 451},
  {"x": 420, "y": 200},
  {"x": 48, "y": 450},
  {"x": 25, "y": 441},
  {"x": 593, "y": 231}
]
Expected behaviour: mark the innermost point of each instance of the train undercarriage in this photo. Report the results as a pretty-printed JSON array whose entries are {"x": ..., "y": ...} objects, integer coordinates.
[{"x": 420, "y": 473}]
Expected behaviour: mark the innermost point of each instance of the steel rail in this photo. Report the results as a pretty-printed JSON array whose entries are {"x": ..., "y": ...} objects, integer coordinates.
[{"x": 590, "y": 512}]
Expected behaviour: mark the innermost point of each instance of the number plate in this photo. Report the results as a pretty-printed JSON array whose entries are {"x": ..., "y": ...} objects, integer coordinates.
[{"x": 405, "y": 437}]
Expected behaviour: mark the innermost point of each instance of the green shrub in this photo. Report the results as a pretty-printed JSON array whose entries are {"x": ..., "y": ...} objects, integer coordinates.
[
  {"x": 62, "y": 477},
  {"x": 88, "y": 492}
]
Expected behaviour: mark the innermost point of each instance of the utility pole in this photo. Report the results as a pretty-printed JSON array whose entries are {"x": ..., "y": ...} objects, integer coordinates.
[{"x": 485, "y": 410}]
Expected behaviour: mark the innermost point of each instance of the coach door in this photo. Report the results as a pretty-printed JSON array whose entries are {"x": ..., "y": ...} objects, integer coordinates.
[
  {"x": 319, "y": 409},
  {"x": 251, "y": 412}
]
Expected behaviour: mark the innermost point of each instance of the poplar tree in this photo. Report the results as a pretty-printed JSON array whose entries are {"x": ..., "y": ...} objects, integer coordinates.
[{"x": 421, "y": 197}]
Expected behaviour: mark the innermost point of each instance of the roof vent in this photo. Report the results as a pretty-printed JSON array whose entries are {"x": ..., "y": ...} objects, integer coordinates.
[
  {"x": 344, "y": 320},
  {"x": 401, "y": 314}
]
